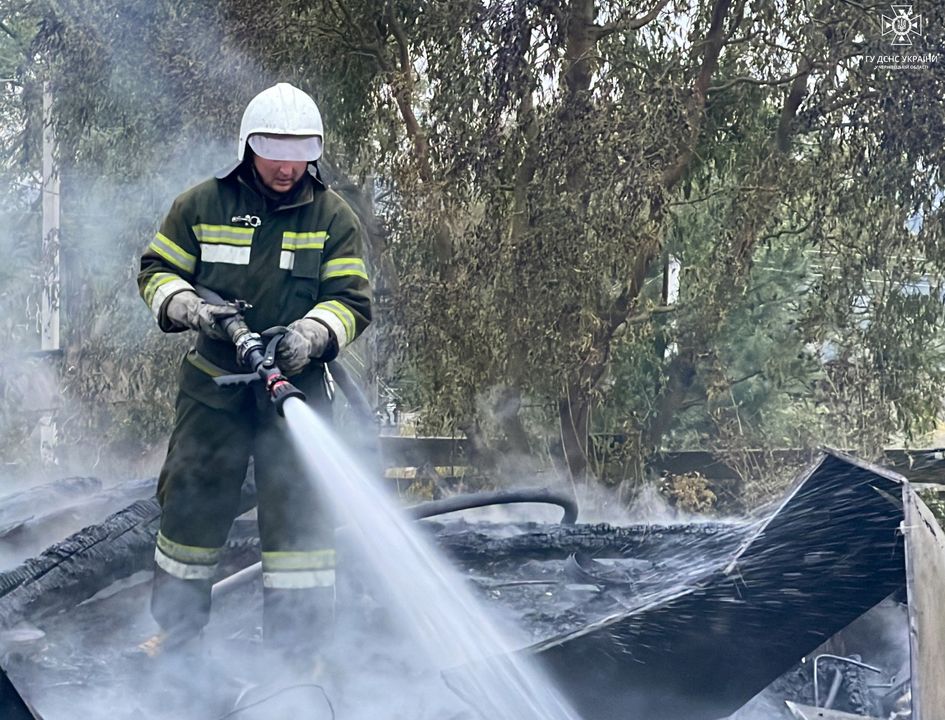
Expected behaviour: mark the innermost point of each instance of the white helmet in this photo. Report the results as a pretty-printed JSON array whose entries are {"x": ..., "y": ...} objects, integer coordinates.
[{"x": 282, "y": 109}]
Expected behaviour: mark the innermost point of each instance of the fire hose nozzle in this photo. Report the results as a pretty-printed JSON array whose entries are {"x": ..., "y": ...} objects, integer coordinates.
[
  {"x": 253, "y": 353},
  {"x": 281, "y": 390}
]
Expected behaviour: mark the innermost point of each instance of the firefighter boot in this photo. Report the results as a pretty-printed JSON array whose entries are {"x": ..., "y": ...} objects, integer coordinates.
[
  {"x": 180, "y": 607},
  {"x": 298, "y": 626}
]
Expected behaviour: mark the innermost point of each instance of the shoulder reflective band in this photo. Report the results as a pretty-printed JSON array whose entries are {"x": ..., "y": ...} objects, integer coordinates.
[
  {"x": 344, "y": 267},
  {"x": 173, "y": 253}
]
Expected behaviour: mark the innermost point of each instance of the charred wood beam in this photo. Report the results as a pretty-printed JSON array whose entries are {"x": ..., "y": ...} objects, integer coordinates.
[
  {"x": 78, "y": 567},
  {"x": 85, "y": 563},
  {"x": 31, "y": 532},
  {"x": 480, "y": 545}
]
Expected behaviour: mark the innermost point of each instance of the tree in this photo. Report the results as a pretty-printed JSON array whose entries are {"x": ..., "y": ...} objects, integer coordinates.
[{"x": 544, "y": 151}]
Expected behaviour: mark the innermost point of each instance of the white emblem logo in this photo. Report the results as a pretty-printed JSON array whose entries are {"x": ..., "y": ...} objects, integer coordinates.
[{"x": 902, "y": 25}]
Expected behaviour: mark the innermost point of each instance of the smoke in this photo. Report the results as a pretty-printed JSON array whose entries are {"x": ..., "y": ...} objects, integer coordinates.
[
  {"x": 113, "y": 356},
  {"x": 102, "y": 406},
  {"x": 146, "y": 103},
  {"x": 34, "y": 518},
  {"x": 86, "y": 665}
]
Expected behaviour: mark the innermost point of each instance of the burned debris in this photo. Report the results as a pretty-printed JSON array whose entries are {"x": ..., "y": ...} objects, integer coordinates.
[{"x": 690, "y": 621}]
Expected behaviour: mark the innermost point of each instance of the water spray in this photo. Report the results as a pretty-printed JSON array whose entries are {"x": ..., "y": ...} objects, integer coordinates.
[
  {"x": 458, "y": 638},
  {"x": 253, "y": 353}
]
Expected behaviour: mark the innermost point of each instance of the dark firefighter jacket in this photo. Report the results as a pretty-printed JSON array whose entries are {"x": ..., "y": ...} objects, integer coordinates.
[{"x": 298, "y": 259}]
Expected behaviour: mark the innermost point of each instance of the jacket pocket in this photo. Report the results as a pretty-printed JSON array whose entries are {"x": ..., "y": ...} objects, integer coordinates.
[{"x": 307, "y": 264}]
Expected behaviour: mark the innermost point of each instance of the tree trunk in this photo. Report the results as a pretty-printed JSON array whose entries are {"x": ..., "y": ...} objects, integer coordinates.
[
  {"x": 508, "y": 413},
  {"x": 573, "y": 415}
]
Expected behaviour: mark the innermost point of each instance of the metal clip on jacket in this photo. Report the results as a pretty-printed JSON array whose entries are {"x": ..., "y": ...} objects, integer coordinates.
[{"x": 253, "y": 221}]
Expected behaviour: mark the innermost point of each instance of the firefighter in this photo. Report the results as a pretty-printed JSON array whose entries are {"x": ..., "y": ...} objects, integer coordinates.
[{"x": 266, "y": 230}]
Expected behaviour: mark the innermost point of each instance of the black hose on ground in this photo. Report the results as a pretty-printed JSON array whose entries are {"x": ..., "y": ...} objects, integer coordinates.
[
  {"x": 499, "y": 497},
  {"x": 439, "y": 507}
]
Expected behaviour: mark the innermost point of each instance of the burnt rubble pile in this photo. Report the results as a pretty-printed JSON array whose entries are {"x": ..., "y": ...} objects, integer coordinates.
[{"x": 680, "y": 622}]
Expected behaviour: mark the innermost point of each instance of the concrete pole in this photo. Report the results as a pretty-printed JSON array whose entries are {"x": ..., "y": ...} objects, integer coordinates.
[
  {"x": 671, "y": 271},
  {"x": 50, "y": 301},
  {"x": 49, "y": 306}
]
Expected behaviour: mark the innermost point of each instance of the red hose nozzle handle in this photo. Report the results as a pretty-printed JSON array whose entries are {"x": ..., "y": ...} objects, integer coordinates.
[{"x": 281, "y": 390}]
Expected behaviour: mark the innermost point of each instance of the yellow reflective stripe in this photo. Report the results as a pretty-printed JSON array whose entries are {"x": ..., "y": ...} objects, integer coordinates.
[
  {"x": 298, "y": 560},
  {"x": 299, "y": 579},
  {"x": 304, "y": 240},
  {"x": 223, "y": 234},
  {"x": 204, "y": 365},
  {"x": 154, "y": 283},
  {"x": 331, "y": 320},
  {"x": 340, "y": 311},
  {"x": 191, "y": 554},
  {"x": 344, "y": 267},
  {"x": 182, "y": 570},
  {"x": 173, "y": 253}
]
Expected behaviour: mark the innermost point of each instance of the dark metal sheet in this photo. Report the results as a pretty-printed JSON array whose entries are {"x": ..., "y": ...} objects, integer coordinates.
[
  {"x": 830, "y": 552},
  {"x": 925, "y": 585},
  {"x": 12, "y": 704}
]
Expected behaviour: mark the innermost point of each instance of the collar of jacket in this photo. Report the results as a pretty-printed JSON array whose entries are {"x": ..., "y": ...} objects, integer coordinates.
[{"x": 305, "y": 196}]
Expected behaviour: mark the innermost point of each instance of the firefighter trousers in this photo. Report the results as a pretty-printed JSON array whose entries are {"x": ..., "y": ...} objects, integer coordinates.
[{"x": 199, "y": 491}]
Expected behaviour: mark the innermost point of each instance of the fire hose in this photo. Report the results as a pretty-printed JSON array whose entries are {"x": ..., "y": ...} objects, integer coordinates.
[{"x": 439, "y": 507}]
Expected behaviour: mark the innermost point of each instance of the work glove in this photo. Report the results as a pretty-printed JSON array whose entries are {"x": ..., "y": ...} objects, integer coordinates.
[
  {"x": 305, "y": 340},
  {"x": 187, "y": 309}
]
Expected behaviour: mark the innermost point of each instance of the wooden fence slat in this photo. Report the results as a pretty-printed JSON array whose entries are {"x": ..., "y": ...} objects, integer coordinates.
[{"x": 925, "y": 465}]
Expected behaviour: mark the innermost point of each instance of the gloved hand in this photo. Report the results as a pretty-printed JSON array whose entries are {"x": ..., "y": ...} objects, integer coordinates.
[
  {"x": 187, "y": 309},
  {"x": 306, "y": 339}
]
